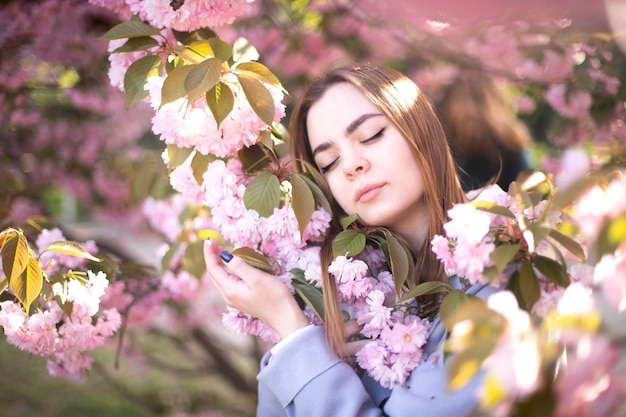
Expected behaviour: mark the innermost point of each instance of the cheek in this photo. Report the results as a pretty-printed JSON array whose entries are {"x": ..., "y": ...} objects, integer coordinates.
[{"x": 341, "y": 194}]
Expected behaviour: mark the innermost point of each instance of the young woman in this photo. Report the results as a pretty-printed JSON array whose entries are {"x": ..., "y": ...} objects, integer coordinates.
[{"x": 382, "y": 151}]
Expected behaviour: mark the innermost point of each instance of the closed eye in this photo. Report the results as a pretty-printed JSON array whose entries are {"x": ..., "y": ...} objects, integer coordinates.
[
  {"x": 327, "y": 167},
  {"x": 376, "y": 136}
]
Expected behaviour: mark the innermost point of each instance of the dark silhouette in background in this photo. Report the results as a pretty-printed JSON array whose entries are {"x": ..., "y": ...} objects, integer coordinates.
[{"x": 488, "y": 141}]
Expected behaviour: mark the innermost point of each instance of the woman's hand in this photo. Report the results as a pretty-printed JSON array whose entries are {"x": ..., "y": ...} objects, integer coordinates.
[{"x": 253, "y": 291}]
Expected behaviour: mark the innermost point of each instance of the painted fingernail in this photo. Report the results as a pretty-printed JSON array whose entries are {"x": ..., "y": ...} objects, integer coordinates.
[{"x": 226, "y": 257}]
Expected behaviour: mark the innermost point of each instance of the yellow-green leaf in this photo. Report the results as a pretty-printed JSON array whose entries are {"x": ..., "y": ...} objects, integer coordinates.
[
  {"x": 199, "y": 164},
  {"x": 253, "y": 258},
  {"x": 202, "y": 48},
  {"x": 4, "y": 283},
  {"x": 253, "y": 157},
  {"x": 346, "y": 221},
  {"x": 568, "y": 243},
  {"x": 552, "y": 270},
  {"x": 611, "y": 236},
  {"x": 71, "y": 248},
  {"x": 529, "y": 285},
  {"x": 318, "y": 193},
  {"x": 491, "y": 207},
  {"x": 263, "y": 194},
  {"x": 136, "y": 76},
  {"x": 503, "y": 254},
  {"x": 221, "y": 50},
  {"x": 310, "y": 294},
  {"x": 176, "y": 156},
  {"x": 193, "y": 259},
  {"x": 131, "y": 29},
  {"x": 401, "y": 261},
  {"x": 259, "y": 98},
  {"x": 14, "y": 256},
  {"x": 27, "y": 286},
  {"x": 451, "y": 303},
  {"x": 348, "y": 243},
  {"x": 303, "y": 202},
  {"x": 202, "y": 77},
  {"x": 137, "y": 44},
  {"x": 259, "y": 72},
  {"x": 221, "y": 101},
  {"x": 431, "y": 287},
  {"x": 174, "y": 85}
]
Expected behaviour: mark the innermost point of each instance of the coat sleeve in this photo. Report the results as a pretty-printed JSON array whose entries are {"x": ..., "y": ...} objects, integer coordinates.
[{"x": 307, "y": 379}]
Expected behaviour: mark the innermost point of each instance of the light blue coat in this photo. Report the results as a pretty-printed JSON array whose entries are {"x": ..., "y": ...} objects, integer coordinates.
[{"x": 307, "y": 379}]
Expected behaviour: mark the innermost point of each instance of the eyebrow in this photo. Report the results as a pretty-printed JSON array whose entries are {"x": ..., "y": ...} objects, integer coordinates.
[{"x": 349, "y": 130}]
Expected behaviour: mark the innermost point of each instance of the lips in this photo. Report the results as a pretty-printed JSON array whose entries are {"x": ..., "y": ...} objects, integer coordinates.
[{"x": 368, "y": 192}]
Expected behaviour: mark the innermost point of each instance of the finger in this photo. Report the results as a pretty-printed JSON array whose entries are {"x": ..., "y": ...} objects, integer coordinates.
[
  {"x": 353, "y": 347},
  {"x": 351, "y": 327},
  {"x": 249, "y": 274}
]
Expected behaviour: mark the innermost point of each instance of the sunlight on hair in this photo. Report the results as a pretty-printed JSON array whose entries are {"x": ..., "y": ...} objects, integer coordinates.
[{"x": 406, "y": 92}]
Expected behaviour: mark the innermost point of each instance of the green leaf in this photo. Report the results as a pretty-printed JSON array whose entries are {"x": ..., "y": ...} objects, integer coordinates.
[
  {"x": 174, "y": 85},
  {"x": 169, "y": 255},
  {"x": 552, "y": 270},
  {"x": 221, "y": 101},
  {"x": 318, "y": 193},
  {"x": 259, "y": 98},
  {"x": 467, "y": 363},
  {"x": 611, "y": 236},
  {"x": 221, "y": 50},
  {"x": 491, "y": 207},
  {"x": 348, "y": 243},
  {"x": 431, "y": 287},
  {"x": 303, "y": 202},
  {"x": 27, "y": 286},
  {"x": 503, "y": 254},
  {"x": 451, "y": 303},
  {"x": 253, "y": 157},
  {"x": 253, "y": 258},
  {"x": 131, "y": 29},
  {"x": 137, "y": 44},
  {"x": 176, "y": 156},
  {"x": 311, "y": 295},
  {"x": 66, "y": 306},
  {"x": 202, "y": 49},
  {"x": 14, "y": 255},
  {"x": 193, "y": 259},
  {"x": 529, "y": 286},
  {"x": 346, "y": 221},
  {"x": 568, "y": 243},
  {"x": 4, "y": 283},
  {"x": 263, "y": 194},
  {"x": 202, "y": 78},
  {"x": 400, "y": 260},
  {"x": 258, "y": 72},
  {"x": 72, "y": 249},
  {"x": 199, "y": 164},
  {"x": 136, "y": 76}
]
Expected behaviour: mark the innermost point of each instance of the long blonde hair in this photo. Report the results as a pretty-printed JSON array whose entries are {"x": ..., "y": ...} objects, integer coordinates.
[{"x": 411, "y": 112}]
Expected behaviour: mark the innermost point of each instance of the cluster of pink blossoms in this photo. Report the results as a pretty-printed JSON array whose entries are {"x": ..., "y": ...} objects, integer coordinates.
[
  {"x": 196, "y": 128},
  {"x": 49, "y": 332},
  {"x": 190, "y": 16},
  {"x": 471, "y": 234},
  {"x": 63, "y": 340},
  {"x": 397, "y": 335}
]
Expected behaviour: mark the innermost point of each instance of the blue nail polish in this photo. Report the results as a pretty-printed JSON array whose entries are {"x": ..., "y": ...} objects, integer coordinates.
[{"x": 226, "y": 257}]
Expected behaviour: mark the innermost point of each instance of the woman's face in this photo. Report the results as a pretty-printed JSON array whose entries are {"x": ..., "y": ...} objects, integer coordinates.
[{"x": 366, "y": 161}]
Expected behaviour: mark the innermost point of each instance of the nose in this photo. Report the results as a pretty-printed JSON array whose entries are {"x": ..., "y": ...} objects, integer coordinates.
[{"x": 354, "y": 165}]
